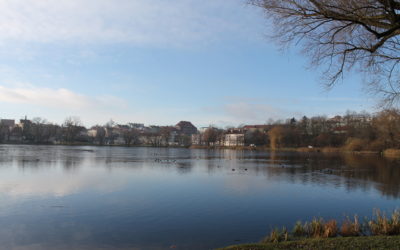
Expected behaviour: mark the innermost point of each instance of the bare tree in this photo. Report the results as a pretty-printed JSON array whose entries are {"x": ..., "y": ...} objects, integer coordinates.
[
  {"x": 276, "y": 135},
  {"x": 342, "y": 35},
  {"x": 39, "y": 127},
  {"x": 72, "y": 127},
  {"x": 100, "y": 134},
  {"x": 131, "y": 136},
  {"x": 387, "y": 126},
  {"x": 210, "y": 136}
]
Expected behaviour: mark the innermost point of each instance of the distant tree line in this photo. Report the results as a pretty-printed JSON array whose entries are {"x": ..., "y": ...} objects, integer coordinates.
[
  {"x": 40, "y": 131},
  {"x": 71, "y": 131},
  {"x": 353, "y": 131}
]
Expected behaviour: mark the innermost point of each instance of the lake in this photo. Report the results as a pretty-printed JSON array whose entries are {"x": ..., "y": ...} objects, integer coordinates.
[{"x": 164, "y": 198}]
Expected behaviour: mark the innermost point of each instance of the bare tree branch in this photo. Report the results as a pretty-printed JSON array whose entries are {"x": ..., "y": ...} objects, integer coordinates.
[{"x": 342, "y": 35}]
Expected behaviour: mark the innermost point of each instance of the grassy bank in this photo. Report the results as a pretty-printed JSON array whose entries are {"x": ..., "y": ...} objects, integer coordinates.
[
  {"x": 382, "y": 231},
  {"x": 370, "y": 242}
]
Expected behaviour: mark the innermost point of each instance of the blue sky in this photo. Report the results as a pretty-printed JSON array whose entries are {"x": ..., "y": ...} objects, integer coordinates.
[{"x": 156, "y": 62}]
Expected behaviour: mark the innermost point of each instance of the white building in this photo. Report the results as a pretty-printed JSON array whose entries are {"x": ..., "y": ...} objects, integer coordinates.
[{"x": 234, "y": 140}]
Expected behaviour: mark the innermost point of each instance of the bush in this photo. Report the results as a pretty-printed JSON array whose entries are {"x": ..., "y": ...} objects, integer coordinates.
[
  {"x": 377, "y": 146},
  {"x": 315, "y": 229},
  {"x": 299, "y": 230},
  {"x": 330, "y": 150},
  {"x": 350, "y": 228},
  {"x": 355, "y": 144},
  {"x": 330, "y": 229},
  {"x": 380, "y": 225},
  {"x": 277, "y": 236},
  {"x": 385, "y": 226}
]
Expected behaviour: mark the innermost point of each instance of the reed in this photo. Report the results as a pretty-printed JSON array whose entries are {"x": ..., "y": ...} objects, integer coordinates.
[
  {"x": 330, "y": 229},
  {"x": 383, "y": 225},
  {"x": 299, "y": 230},
  {"x": 379, "y": 225},
  {"x": 351, "y": 228},
  {"x": 316, "y": 228},
  {"x": 277, "y": 236}
]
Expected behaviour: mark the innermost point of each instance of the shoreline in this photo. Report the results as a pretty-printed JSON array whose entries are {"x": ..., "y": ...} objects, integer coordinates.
[
  {"x": 387, "y": 153},
  {"x": 381, "y": 231}
]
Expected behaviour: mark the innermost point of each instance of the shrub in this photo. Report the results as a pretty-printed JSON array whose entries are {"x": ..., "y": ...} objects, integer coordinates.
[
  {"x": 330, "y": 150},
  {"x": 385, "y": 226},
  {"x": 315, "y": 229},
  {"x": 355, "y": 144},
  {"x": 299, "y": 230},
  {"x": 277, "y": 236},
  {"x": 330, "y": 229},
  {"x": 350, "y": 228},
  {"x": 377, "y": 146}
]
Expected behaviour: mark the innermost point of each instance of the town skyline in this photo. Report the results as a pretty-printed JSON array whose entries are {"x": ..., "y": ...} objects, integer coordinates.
[
  {"x": 352, "y": 132},
  {"x": 268, "y": 120}
]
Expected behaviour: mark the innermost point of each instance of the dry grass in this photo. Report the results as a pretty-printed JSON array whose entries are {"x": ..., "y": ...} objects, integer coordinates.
[
  {"x": 376, "y": 146},
  {"x": 351, "y": 228},
  {"x": 355, "y": 144},
  {"x": 330, "y": 150},
  {"x": 330, "y": 229},
  {"x": 299, "y": 230},
  {"x": 277, "y": 236},
  {"x": 307, "y": 149},
  {"x": 394, "y": 153},
  {"x": 316, "y": 228},
  {"x": 382, "y": 225}
]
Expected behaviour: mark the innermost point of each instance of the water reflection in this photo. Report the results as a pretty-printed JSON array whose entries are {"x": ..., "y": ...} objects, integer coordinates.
[
  {"x": 351, "y": 171},
  {"x": 346, "y": 170},
  {"x": 150, "y": 198}
]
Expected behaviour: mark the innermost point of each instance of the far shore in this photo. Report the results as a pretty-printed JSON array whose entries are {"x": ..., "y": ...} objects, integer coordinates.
[{"x": 388, "y": 153}]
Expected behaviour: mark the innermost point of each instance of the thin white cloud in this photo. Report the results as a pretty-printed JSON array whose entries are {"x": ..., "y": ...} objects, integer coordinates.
[
  {"x": 61, "y": 98},
  {"x": 55, "y": 98},
  {"x": 134, "y": 21}
]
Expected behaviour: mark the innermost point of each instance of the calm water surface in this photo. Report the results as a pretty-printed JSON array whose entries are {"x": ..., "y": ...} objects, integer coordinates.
[{"x": 55, "y": 197}]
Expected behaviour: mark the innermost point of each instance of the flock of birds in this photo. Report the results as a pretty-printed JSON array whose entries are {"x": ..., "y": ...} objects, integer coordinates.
[{"x": 159, "y": 160}]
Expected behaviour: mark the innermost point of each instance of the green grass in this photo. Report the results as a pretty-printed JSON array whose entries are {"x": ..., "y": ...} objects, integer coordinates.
[{"x": 367, "y": 242}]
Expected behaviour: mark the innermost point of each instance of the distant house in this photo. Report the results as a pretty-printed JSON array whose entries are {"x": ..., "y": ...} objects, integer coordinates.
[
  {"x": 7, "y": 123},
  {"x": 138, "y": 126},
  {"x": 253, "y": 128},
  {"x": 16, "y": 134},
  {"x": 186, "y": 128},
  {"x": 92, "y": 132},
  {"x": 234, "y": 140},
  {"x": 153, "y": 129},
  {"x": 340, "y": 130},
  {"x": 197, "y": 139}
]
